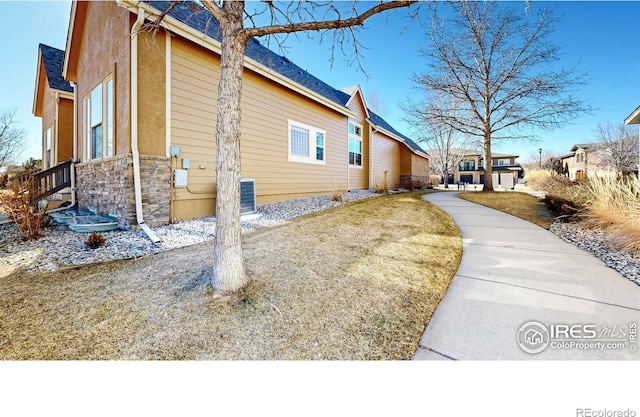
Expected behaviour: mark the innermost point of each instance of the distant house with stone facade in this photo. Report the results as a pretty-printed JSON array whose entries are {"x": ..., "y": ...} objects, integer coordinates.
[{"x": 144, "y": 112}]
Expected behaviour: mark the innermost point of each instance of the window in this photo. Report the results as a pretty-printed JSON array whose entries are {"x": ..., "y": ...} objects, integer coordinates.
[
  {"x": 355, "y": 145},
  {"x": 47, "y": 157},
  {"x": 320, "y": 146},
  {"x": 98, "y": 110},
  {"x": 504, "y": 162},
  {"x": 467, "y": 166},
  {"x": 306, "y": 143},
  {"x": 109, "y": 117}
]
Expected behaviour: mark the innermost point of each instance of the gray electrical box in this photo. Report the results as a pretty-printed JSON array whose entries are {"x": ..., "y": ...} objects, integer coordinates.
[
  {"x": 174, "y": 150},
  {"x": 186, "y": 163},
  {"x": 180, "y": 178}
]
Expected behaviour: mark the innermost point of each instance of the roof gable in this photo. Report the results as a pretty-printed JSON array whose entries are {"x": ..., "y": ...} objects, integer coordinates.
[
  {"x": 53, "y": 60},
  {"x": 581, "y": 145},
  {"x": 74, "y": 31},
  {"x": 48, "y": 73}
]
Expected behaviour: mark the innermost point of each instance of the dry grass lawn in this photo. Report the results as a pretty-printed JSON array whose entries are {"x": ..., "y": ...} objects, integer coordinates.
[
  {"x": 359, "y": 281},
  {"x": 521, "y": 205}
]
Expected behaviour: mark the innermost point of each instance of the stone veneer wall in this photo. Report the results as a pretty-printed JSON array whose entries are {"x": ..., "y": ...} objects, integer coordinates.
[
  {"x": 106, "y": 185},
  {"x": 406, "y": 178}
]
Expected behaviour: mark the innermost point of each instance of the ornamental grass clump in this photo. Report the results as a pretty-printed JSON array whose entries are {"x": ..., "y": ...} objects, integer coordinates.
[
  {"x": 614, "y": 207},
  {"x": 547, "y": 181}
]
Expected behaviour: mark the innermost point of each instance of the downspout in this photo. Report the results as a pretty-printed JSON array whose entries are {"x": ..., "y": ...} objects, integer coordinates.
[
  {"x": 348, "y": 166},
  {"x": 75, "y": 120},
  {"x": 372, "y": 130},
  {"x": 54, "y": 140},
  {"x": 137, "y": 188},
  {"x": 75, "y": 143}
]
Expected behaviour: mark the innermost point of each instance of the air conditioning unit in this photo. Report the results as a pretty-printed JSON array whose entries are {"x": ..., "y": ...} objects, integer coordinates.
[{"x": 247, "y": 196}]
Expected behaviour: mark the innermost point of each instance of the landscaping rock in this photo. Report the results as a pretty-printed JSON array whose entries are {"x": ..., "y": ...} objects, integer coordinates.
[
  {"x": 600, "y": 245},
  {"x": 61, "y": 247}
]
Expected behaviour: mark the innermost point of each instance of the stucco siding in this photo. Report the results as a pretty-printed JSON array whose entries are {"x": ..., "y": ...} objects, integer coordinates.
[
  {"x": 104, "y": 50},
  {"x": 65, "y": 130},
  {"x": 48, "y": 122},
  {"x": 151, "y": 94}
]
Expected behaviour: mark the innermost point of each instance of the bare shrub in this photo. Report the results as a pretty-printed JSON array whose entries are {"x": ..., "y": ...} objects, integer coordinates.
[
  {"x": 28, "y": 220},
  {"x": 384, "y": 188},
  {"x": 95, "y": 240},
  {"x": 414, "y": 185},
  {"x": 337, "y": 196}
]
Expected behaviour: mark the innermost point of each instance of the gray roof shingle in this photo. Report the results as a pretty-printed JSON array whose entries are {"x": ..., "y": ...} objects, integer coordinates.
[
  {"x": 53, "y": 59},
  {"x": 200, "y": 19}
]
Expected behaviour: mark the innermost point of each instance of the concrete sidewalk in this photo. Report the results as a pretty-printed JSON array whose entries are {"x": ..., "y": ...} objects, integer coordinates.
[{"x": 512, "y": 273}]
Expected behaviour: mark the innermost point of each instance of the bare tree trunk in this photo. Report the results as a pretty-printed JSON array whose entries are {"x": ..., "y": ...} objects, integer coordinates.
[
  {"x": 228, "y": 268},
  {"x": 488, "y": 170}
]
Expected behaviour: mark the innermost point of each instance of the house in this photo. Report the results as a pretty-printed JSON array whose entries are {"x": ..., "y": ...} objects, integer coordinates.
[
  {"x": 145, "y": 113},
  {"x": 470, "y": 169},
  {"x": 586, "y": 160},
  {"x": 53, "y": 102}
]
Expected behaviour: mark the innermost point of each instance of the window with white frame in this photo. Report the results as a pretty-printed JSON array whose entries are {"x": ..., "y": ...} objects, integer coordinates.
[
  {"x": 47, "y": 157},
  {"x": 306, "y": 143},
  {"x": 98, "y": 111},
  {"x": 355, "y": 145}
]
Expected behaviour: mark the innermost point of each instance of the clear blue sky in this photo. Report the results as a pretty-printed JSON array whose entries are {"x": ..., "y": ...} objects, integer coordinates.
[{"x": 598, "y": 36}]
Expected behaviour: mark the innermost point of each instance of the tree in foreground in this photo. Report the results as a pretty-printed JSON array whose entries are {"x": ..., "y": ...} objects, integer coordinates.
[
  {"x": 496, "y": 63},
  {"x": 340, "y": 20},
  {"x": 11, "y": 138},
  {"x": 617, "y": 148}
]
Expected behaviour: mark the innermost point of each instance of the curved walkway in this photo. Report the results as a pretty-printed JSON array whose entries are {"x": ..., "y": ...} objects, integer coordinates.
[{"x": 513, "y": 272}]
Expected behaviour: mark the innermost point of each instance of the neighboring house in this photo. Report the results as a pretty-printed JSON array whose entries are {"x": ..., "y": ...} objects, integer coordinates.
[
  {"x": 145, "y": 115},
  {"x": 471, "y": 168},
  {"x": 634, "y": 119},
  {"x": 585, "y": 160},
  {"x": 53, "y": 102}
]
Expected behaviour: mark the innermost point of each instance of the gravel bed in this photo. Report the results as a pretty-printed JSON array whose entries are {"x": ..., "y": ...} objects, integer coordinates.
[
  {"x": 62, "y": 247},
  {"x": 600, "y": 245}
]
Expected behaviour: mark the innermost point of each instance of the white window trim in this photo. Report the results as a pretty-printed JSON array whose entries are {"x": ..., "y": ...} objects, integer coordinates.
[
  {"x": 107, "y": 135},
  {"x": 311, "y": 159},
  {"x": 360, "y": 138}
]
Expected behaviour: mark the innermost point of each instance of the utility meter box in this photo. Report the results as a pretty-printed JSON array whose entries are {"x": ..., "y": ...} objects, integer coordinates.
[{"x": 180, "y": 178}]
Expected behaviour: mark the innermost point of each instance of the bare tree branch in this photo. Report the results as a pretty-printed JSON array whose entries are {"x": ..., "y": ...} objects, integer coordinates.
[
  {"x": 11, "y": 138},
  {"x": 497, "y": 64},
  {"x": 617, "y": 148}
]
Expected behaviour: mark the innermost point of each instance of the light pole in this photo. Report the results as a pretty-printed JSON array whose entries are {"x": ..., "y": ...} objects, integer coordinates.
[{"x": 540, "y": 158}]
